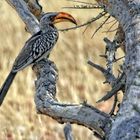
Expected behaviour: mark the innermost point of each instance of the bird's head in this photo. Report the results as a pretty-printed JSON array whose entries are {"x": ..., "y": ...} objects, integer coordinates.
[{"x": 56, "y": 17}]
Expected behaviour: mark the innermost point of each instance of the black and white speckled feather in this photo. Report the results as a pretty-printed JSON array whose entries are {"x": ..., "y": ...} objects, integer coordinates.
[{"x": 39, "y": 46}]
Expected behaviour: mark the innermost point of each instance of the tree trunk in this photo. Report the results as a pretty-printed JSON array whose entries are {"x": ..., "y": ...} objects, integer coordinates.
[{"x": 126, "y": 123}]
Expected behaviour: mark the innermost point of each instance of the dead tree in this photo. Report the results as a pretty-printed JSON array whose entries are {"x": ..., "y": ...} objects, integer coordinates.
[{"x": 125, "y": 124}]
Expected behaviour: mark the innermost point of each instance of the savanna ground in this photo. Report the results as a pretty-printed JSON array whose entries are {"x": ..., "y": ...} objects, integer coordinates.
[{"x": 77, "y": 80}]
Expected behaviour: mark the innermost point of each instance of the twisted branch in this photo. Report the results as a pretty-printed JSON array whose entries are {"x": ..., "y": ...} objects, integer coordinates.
[{"x": 46, "y": 102}]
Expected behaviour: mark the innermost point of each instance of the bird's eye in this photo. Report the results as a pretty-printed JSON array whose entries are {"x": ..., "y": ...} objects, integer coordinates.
[{"x": 51, "y": 18}]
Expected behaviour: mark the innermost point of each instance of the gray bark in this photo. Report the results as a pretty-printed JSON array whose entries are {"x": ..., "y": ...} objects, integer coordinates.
[
  {"x": 28, "y": 18},
  {"x": 126, "y": 125},
  {"x": 47, "y": 104}
]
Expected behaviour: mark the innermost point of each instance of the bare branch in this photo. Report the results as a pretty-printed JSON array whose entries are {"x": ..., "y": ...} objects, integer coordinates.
[
  {"x": 83, "y": 2},
  {"x": 110, "y": 28},
  {"x": 46, "y": 102},
  {"x": 117, "y": 83},
  {"x": 109, "y": 77},
  {"x": 100, "y": 26},
  {"x": 111, "y": 48},
  {"x": 114, "y": 105},
  {"x": 84, "y": 7},
  {"x": 117, "y": 86},
  {"x": 28, "y": 18}
]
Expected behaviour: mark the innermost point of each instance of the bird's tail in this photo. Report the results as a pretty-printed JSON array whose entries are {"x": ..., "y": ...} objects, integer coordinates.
[{"x": 6, "y": 86}]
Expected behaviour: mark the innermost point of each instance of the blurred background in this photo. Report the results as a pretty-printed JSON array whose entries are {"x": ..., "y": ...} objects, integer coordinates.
[{"x": 77, "y": 80}]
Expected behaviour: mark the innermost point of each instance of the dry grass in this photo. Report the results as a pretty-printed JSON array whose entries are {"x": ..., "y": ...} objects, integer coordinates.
[{"x": 77, "y": 80}]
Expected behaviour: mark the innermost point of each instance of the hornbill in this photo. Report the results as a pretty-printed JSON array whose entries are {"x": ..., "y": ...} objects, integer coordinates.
[{"x": 37, "y": 47}]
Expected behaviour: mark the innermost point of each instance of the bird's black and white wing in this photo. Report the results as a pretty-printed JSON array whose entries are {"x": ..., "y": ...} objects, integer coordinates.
[{"x": 34, "y": 49}]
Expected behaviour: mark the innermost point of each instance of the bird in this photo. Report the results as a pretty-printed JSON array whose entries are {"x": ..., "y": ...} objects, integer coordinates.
[{"x": 37, "y": 46}]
